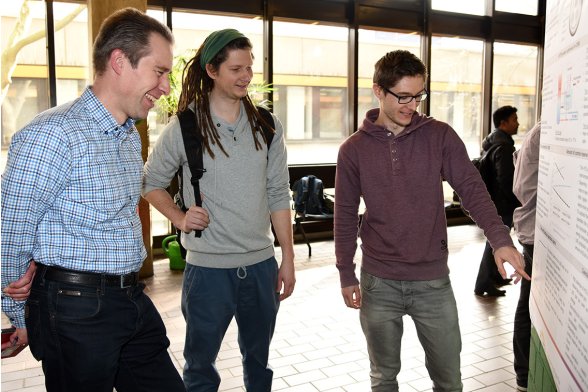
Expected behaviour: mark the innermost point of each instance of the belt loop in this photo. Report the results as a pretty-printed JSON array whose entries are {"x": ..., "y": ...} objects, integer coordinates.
[
  {"x": 102, "y": 283},
  {"x": 42, "y": 273},
  {"x": 122, "y": 282}
]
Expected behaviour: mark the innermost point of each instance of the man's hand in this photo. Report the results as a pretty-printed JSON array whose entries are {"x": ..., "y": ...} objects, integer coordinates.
[
  {"x": 196, "y": 218},
  {"x": 352, "y": 296},
  {"x": 18, "y": 337},
  {"x": 512, "y": 256},
  {"x": 286, "y": 279},
  {"x": 20, "y": 289}
]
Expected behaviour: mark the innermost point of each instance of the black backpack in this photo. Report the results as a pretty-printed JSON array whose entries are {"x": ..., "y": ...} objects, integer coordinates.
[
  {"x": 309, "y": 197},
  {"x": 193, "y": 147},
  {"x": 485, "y": 165}
]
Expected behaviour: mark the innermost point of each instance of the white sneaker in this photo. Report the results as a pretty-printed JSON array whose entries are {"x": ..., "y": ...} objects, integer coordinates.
[{"x": 522, "y": 389}]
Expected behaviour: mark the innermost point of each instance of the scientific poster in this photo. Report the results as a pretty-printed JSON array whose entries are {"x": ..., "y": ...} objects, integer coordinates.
[{"x": 559, "y": 294}]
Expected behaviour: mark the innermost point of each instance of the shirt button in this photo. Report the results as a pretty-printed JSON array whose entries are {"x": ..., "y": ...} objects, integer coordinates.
[{"x": 218, "y": 124}]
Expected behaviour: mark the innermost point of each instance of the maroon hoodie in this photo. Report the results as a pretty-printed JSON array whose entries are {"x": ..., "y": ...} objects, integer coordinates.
[{"x": 404, "y": 230}]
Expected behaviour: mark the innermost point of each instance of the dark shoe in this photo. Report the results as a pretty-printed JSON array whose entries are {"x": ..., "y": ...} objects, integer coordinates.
[
  {"x": 521, "y": 385},
  {"x": 502, "y": 282},
  {"x": 491, "y": 292}
]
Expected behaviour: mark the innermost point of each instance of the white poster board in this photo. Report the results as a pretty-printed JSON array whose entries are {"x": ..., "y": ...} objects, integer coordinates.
[{"x": 559, "y": 294}]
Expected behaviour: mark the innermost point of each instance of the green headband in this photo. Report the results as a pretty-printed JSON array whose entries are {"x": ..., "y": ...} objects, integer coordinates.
[{"x": 215, "y": 42}]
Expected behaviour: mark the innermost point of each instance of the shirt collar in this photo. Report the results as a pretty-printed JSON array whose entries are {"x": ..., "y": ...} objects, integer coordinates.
[{"x": 105, "y": 122}]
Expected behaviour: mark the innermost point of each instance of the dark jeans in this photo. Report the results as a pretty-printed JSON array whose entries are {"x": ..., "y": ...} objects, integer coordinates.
[
  {"x": 488, "y": 271},
  {"x": 211, "y": 297},
  {"x": 98, "y": 338},
  {"x": 521, "y": 340}
]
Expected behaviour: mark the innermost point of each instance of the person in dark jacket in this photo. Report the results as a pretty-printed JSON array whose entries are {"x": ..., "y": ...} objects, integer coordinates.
[{"x": 500, "y": 188}]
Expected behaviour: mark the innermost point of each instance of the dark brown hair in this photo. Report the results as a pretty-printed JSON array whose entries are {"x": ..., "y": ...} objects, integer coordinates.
[
  {"x": 129, "y": 30},
  {"x": 395, "y": 65}
]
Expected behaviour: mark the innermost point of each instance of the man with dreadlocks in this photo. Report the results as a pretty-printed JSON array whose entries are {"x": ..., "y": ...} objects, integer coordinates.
[{"x": 231, "y": 270}]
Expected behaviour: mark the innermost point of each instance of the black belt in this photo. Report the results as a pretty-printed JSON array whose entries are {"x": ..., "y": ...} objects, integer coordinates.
[{"x": 87, "y": 278}]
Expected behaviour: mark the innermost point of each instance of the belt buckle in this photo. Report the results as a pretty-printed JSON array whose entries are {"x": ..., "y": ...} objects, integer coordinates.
[{"x": 122, "y": 282}]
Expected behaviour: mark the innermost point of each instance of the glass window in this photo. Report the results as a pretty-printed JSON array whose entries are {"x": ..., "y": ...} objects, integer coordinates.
[
  {"x": 158, "y": 13},
  {"x": 456, "y": 90},
  {"x": 456, "y": 87},
  {"x": 471, "y": 7},
  {"x": 310, "y": 80},
  {"x": 515, "y": 83},
  {"x": 24, "y": 73},
  {"x": 160, "y": 225},
  {"x": 373, "y": 44},
  {"x": 71, "y": 50},
  {"x": 526, "y": 7}
]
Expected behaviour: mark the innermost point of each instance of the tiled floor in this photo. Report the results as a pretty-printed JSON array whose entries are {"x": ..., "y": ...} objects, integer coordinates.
[{"x": 318, "y": 344}]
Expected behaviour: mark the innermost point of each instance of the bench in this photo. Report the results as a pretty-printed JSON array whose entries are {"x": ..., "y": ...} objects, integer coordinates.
[{"x": 312, "y": 223}]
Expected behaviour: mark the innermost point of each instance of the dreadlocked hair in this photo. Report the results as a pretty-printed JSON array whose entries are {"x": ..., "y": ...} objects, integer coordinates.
[
  {"x": 257, "y": 121},
  {"x": 196, "y": 87}
]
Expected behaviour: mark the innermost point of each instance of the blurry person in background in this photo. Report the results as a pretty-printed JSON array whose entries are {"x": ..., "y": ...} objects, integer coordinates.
[{"x": 500, "y": 147}]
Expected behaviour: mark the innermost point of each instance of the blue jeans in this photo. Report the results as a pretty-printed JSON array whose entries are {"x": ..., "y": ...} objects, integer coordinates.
[
  {"x": 210, "y": 299},
  {"x": 96, "y": 338},
  {"x": 431, "y": 305}
]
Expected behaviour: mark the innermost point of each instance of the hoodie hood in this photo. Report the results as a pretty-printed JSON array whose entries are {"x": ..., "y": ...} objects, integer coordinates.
[
  {"x": 497, "y": 137},
  {"x": 381, "y": 133}
]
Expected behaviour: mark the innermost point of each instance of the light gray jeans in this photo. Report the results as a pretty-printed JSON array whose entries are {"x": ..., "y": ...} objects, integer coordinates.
[{"x": 431, "y": 305}]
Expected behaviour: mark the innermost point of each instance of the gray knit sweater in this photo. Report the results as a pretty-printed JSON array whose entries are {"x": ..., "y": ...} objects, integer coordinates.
[{"x": 239, "y": 191}]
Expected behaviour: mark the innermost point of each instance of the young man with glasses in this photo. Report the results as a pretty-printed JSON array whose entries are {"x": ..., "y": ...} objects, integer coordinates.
[{"x": 397, "y": 162}]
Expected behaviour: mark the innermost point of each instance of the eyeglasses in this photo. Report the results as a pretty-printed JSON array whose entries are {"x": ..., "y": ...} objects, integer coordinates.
[{"x": 404, "y": 99}]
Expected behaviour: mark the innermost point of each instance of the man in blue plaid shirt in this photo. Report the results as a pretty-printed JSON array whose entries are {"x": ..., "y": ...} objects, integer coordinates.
[{"x": 69, "y": 202}]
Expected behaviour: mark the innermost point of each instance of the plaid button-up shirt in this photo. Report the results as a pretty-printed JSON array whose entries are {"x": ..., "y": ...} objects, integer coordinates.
[{"x": 69, "y": 195}]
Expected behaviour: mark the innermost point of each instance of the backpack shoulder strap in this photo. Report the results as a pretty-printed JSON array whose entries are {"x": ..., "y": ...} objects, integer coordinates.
[
  {"x": 193, "y": 147},
  {"x": 493, "y": 149},
  {"x": 300, "y": 194},
  {"x": 489, "y": 155},
  {"x": 304, "y": 183}
]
